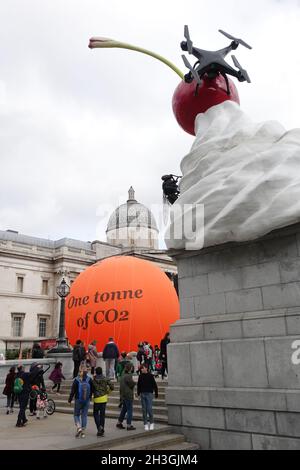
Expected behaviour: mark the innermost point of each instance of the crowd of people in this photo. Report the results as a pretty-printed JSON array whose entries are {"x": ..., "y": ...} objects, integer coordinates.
[
  {"x": 152, "y": 362},
  {"x": 90, "y": 383}
]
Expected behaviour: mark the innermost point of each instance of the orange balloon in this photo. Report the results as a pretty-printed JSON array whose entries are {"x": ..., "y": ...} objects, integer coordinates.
[{"x": 123, "y": 297}]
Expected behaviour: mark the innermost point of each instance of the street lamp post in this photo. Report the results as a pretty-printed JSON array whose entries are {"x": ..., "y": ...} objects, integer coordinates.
[{"x": 62, "y": 291}]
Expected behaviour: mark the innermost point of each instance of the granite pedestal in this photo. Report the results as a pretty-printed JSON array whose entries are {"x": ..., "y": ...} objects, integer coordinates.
[{"x": 234, "y": 368}]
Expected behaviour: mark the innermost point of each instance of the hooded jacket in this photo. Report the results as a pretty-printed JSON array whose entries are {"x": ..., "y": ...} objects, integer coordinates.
[{"x": 101, "y": 388}]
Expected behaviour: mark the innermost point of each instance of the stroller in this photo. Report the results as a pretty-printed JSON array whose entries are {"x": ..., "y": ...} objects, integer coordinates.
[{"x": 43, "y": 402}]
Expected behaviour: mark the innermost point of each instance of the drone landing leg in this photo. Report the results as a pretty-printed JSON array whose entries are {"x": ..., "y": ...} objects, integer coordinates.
[
  {"x": 227, "y": 83},
  {"x": 196, "y": 90}
]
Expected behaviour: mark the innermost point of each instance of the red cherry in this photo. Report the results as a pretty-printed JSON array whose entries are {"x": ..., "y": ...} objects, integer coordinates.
[{"x": 211, "y": 91}]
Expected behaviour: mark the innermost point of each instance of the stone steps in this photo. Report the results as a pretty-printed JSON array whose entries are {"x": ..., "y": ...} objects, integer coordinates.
[
  {"x": 158, "y": 439},
  {"x": 150, "y": 442},
  {"x": 112, "y": 408}
]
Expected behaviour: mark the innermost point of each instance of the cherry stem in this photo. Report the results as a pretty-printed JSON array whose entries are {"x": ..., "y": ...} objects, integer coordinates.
[{"x": 123, "y": 45}]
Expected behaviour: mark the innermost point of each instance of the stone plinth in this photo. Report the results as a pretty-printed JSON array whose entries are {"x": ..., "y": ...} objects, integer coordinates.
[{"x": 232, "y": 380}]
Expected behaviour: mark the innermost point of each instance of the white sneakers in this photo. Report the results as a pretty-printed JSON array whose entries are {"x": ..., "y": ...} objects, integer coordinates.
[{"x": 149, "y": 427}]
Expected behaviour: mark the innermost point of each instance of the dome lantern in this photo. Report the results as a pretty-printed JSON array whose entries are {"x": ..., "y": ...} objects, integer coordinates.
[{"x": 132, "y": 225}]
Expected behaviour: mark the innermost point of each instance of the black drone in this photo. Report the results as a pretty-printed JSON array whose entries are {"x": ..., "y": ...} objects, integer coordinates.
[{"x": 212, "y": 63}]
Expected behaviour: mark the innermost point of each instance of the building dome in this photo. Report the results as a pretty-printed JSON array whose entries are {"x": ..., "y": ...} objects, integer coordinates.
[{"x": 132, "y": 224}]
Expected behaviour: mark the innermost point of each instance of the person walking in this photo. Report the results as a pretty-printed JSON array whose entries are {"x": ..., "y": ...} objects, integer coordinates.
[
  {"x": 93, "y": 356},
  {"x": 56, "y": 376},
  {"x": 78, "y": 356},
  {"x": 9, "y": 390},
  {"x": 22, "y": 387},
  {"x": 110, "y": 355},
  {"x": 101, "y": 389},
  {"x": 145, "y": 387},
  {"x": 82, "y": 390},
  {"x": 127, "y": 385},
  {"x": 164, "y": 354}
]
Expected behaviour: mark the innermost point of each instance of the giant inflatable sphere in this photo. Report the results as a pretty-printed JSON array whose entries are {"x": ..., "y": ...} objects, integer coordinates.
[{"x": 127, "y": 298}]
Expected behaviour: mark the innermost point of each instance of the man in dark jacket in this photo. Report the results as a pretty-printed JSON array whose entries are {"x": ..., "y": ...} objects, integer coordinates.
[
  {"x": 164, "y": 354},
  {"x": 127, "y": 385},
  {"x": 145, "y": 388},
  {"x": 110, "y": 354},
  {"x": 78, "y": 356}
]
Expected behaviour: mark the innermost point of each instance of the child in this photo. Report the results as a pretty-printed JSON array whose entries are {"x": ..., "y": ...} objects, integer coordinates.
[
  {"x": 56, "y": 376},
  {"x": 41, "y": 404},
  {"x": 9, "y": 389}
]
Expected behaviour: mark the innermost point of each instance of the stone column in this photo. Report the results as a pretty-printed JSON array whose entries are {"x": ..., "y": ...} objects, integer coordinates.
[{"x": 232, "y": 380}]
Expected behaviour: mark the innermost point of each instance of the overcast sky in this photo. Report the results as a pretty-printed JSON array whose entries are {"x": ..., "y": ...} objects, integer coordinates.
[{"x": 79, "y": 126}]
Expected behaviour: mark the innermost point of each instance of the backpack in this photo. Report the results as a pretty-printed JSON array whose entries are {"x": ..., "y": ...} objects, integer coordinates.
[
  {"x": 84, "y": 390},
  {"x": 18, "y": 386}
]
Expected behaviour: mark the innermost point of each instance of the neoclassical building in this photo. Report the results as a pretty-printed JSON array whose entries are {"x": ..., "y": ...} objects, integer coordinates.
[{"x": 31, "y": 268}]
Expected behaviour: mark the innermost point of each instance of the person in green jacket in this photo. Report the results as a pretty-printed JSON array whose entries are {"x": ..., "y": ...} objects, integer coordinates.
[
  {"x": 127, "y": 385},
  {"x": 101, "y": 387}
]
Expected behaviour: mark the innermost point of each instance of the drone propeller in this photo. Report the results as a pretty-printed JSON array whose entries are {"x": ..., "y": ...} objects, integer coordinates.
[
  {"x": 243, "y": 71},
  {"x": 239, "y": 41},
  {"x": 192, "y": 70},
  {"x": 188, "y": 39}
]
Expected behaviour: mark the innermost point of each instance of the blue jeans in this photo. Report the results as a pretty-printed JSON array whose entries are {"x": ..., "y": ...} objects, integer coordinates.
[
  {"x": 126, "y": 409},
  {"x": 147, "y": 399},
  {"x": 80, "y": 413},
  {"x": 110, "y": 368}
]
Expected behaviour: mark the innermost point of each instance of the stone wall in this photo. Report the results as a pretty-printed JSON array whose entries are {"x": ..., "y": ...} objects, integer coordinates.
[{"x": 232, "y": 382}]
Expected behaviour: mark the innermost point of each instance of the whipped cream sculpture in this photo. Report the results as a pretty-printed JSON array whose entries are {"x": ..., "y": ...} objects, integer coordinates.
[{"x": 245, "y": 174}]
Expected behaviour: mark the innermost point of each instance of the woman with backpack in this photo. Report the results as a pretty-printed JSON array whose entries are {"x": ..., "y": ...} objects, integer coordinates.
[
  {"x": 9, "y": 389},
  {"x": 101, "y": 389},
  {"x": 82, "y": 390}
]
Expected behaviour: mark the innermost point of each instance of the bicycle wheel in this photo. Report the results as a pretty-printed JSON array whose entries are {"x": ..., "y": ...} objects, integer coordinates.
[{"x": 50, "y": 407}]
